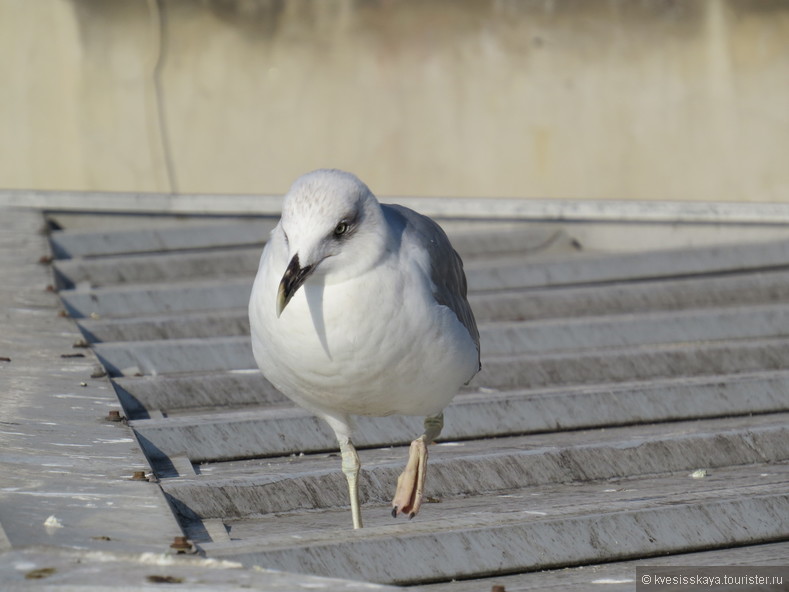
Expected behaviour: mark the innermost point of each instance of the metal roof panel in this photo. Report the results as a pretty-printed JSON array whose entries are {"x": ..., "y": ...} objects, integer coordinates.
[{"x": 613, "y": 368}]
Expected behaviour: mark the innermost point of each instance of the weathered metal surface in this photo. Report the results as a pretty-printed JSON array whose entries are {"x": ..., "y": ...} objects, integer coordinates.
[
  {"x": 64, "y": 470},
  {"x": 233, "y": 293},
  {"x": 529, "y": 370},
  {"x": 247, "y": 488},
  {"x": 638, "y": 297},
  {"x": 262, "y": 431},
  {"x": 507, "y": 338},
  {"x": 194, "y": 391},
  {"x": 753, "y": 287},
  {"x": 475, "y": 208},
  {"x": 221, "y": 251},
  {"x": 619, "y": 576},
  {"x": 67, "y": 245},
  {"x": 502, "y": 337},
  {"x": 64, "y": 570},
  {"x": 169, "y": 267},
  {"x": 506, "y": 274},
  {"x": 633, "y": 363},
  {"x": 182, "y": 326},
  {"x": 608, "y": 378},
  {"x": 72, "y": 517},
  {"x": 532, "y": 529},
  {"x": 238, "y": 260},
  {"x": 593, "y": 235},
  {"x": 183, "y": 355},
  {"x": 158, "y": 299}
]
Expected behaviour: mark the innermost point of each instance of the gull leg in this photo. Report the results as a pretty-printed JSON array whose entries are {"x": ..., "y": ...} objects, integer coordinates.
[
  {"x": 411, "y": 482},
  {"x": 350, "y": 464}
]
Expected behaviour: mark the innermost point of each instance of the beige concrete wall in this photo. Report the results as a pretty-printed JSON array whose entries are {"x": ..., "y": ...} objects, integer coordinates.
[{"x": 659, "y": 99}]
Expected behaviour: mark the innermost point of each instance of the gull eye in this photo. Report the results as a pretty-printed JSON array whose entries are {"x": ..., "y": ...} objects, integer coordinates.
[{"x": 341, "y": 228}]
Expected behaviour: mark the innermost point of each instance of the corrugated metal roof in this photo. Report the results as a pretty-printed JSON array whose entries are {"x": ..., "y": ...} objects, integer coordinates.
[{"x": 613, "y": 368}]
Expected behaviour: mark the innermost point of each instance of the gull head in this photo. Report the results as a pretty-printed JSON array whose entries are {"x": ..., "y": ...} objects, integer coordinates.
[{"x": 332, "y": 226}]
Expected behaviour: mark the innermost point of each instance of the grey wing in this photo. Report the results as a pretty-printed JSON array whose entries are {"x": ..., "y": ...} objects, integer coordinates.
[{"x": 446, "y": 265}]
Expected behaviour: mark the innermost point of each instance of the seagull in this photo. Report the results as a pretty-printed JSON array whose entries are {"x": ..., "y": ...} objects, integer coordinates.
[{"x": 359, "y": 308}]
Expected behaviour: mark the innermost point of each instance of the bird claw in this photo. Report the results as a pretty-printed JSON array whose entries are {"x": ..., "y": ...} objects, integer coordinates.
[
  {"x": 396, "y": 510},
  {"x": 411, "y": 482}
]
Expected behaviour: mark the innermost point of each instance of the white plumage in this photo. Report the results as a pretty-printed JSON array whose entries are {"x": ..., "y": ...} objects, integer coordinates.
[{"x": 360, "y": 308}]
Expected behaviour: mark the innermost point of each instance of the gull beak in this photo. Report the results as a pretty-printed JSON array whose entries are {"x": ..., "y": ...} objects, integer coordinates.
[{"x": 294, "y": 277}]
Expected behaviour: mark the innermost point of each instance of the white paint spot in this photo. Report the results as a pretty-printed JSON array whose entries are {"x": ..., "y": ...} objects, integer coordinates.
[
  {"x": 535, "y": 512},
  {"x": 613, "y": 581},
  {"x": 24, "y": 565},
  {"x": 52, "y": 523}
]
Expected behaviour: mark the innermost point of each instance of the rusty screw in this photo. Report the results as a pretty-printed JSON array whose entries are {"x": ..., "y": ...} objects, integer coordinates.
[
  {"x": 181, "y": 544},
  {"x": 114, "y": 415},
  {"x": 139, "y": 476},
  {"x": 497, "y": 588}
]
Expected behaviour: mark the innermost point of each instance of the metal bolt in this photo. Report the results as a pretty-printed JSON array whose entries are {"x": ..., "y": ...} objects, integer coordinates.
[
  {"x": 497, "y": 588},
  {"x": 114, "y": 415},
  {"x": 181, "y": 544},
  {"x": 139, "y": 476}
]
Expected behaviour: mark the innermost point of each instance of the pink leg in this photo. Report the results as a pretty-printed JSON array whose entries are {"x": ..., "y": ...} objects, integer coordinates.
[{"x": 411, "y": 482}]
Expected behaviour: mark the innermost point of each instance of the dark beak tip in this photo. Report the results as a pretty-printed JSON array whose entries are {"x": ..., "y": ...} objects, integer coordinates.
[
  {"x": 282, "y": 298},
  {"x": 292, "y": 280}
]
